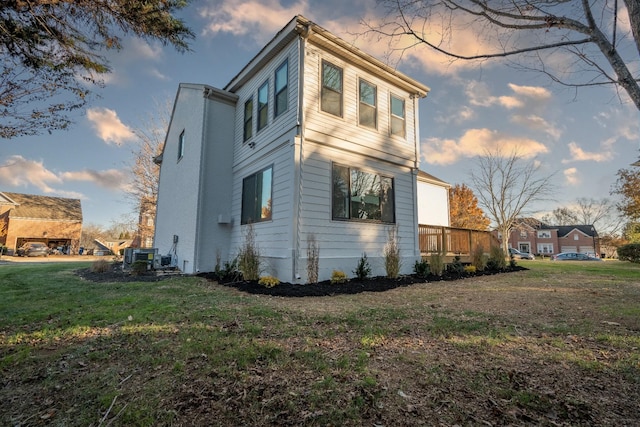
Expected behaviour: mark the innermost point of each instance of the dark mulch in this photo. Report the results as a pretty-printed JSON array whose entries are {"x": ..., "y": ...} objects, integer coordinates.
[
  {"x": 352, "y": 286},
  {"x": 116, "y": 273}
]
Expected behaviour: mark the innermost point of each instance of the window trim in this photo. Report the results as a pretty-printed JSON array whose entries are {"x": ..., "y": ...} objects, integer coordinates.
[
  {"x": 323, "y": 88},
  {"x": 392, "y": 116},
  {"x": 181, "y": 144},
  {"x": 259, "y": 124},
  {"x": 349, "y": 215},
  {"x": 247, "y": 132},
  {"x": 285, "y": 88},
  {"x": 361, "y": 102},
  {"x": 243, "y": 207}
]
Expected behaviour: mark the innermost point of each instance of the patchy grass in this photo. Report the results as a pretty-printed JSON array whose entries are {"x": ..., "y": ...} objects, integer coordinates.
[{"x": 555, "y": 345}]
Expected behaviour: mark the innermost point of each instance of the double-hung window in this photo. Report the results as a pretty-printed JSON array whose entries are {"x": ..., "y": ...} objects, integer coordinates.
[
  {"x": 398, "y": 126},
  {"x": 256, "y": 197},
  {"x": 263, "y": 105},
  {"x": 331, "y": 96},
  {"x": 360, "y": 195},
  {"x": 181, "y": 145},
  {"x": 248, "y": 119},
  {"x": 368, "y": 105},
  {"x": 281, "y": 91}
]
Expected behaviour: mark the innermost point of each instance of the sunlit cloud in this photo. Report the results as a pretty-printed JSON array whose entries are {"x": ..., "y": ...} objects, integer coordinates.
[
  {"x": 108, "y": 126},
  {"x": 537, "y": 123},
  {"x": 259, "y": 19},
  {"x": 112, "y": 179},
  {"x": 20, "y": 172},
  {"x": 579, "y": 155},
  {"x": 476, "y": 142},
  {"x": 571, "y": 175}
]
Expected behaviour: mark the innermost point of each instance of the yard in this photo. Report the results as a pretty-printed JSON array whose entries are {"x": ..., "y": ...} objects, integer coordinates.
[{"x": 558, "y": 344}]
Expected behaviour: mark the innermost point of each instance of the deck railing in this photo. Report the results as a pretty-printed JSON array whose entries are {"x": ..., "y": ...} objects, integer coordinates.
[{"x": 453, "y": 241}]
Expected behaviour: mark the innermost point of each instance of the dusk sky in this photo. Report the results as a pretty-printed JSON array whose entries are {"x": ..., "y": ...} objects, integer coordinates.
[{"x": 583, "y": 137}]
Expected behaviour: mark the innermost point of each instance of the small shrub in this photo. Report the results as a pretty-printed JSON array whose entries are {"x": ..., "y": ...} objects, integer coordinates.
[
  {"x": 363, "y": 270},
  {"x": 629, "y": 252},
  {"x": 456, "y": 267},
  {"x": 139, "y": 267},
  {"x": 391, "y": 252},
  {"x": 100, "y": 266},
  {"x": 512, "y": 261},
  {"x": 496, "y": 261},
  {"x": 249, "y": 256},
  {"x": 470, "y": 269},
  {"x": 268, "y": 281},
  {"x": 421, "y": 268},
  {"x": 338, "y": 276},
  {"x": 313, "y": 258},
  {"x": 436, "y": 261},
  {"x": 478, "y": 258}
]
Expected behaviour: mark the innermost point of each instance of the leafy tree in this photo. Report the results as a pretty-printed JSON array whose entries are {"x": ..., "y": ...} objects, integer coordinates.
[
  {"x": 52, "y": 51},
  {"x": 464, "y": 209},
  {"x": 597, "y": 45},
  {"x": 628, "y": 186},
  {"x": 506, "y": 185}
]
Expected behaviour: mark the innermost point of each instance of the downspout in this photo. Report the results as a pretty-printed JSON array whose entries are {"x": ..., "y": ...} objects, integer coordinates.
[
  {"x": 302, "y": 39},
  {"x": 416, "y": 169}
]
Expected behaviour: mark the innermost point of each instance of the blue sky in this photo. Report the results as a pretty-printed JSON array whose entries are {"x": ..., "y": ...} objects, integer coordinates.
[{"x": 583, "y": 137}]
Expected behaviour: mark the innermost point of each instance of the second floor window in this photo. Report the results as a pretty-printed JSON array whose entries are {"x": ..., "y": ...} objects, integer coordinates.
[
  {"x": 397, "y": 116},
  {"x": 331, "y": 96},
  {"x": 281, "y": 92},
  {"x": 248, "y": 119},
  {"x": 368, "y": 114},
  {"x": 181, "y": 145},
  {"x": 263, "y": 105},
  {"x": 544, "y": 234}
]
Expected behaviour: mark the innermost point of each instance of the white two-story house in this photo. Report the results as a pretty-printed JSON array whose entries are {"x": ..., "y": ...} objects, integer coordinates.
[{"x": 313, "y": 136}]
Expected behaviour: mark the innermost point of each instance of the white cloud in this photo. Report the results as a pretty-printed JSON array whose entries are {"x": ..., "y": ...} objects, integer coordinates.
[
  {"x": 537, "y": 123},
  {"x": 20, "y": 172},
  {"x": 579, "y": 155},
  {"x": 476, "y": 142},
  {"x": 112, "y": 179},
  {"x": 572, "y": 176},
  {"x": 108, "y": 126}
]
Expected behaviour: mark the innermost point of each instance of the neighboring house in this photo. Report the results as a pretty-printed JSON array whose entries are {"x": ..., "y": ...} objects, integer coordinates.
[
  {"x": 433, "y": 200},
  {"x": 533, "y": 236},
  {"x": 55, "y": 221},
  {"x": 312, "y": 137},
  {"x": 111, "y": 246}
]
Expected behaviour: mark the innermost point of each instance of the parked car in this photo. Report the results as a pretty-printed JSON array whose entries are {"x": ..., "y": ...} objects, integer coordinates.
[
  {"x": 33, "y": 249},
  {"x": 573, "y": 256},
  {"x": 516, "y": 254}
]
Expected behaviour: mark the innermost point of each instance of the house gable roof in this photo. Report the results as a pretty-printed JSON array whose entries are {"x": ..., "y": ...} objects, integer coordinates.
[
  {"x": 426, "y": 177},
  {"x": 300, "y": 26},
  {"x": 44, "y": 207},
  {"x": 565, "y": 230}
]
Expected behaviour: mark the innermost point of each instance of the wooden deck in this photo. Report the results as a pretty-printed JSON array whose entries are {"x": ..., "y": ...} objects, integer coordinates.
[{"x": 453, "y": 241}]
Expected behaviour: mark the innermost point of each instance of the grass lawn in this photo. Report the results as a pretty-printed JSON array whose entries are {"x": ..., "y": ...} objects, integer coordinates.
[{"x": 558, "y": 344}]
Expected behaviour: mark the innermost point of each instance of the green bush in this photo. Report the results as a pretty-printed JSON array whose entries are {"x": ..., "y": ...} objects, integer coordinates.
[
  {"x": 338, "y": 276},
  {"x": 456, "y": 267},
  {"x": 139, "y": 267},
  {"x": 391, "y": 252},
  {"x": 363, "y": 270},
  {"x": 249, "y": 256},
  {"x": 496, "y": 261},
  {"x": 470, "y": 269},
  {"x": 630, "y": 252},
  {"x": 421, "y": 268}
]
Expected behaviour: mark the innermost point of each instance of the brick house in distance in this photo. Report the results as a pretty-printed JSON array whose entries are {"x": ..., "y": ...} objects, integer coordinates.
[
  {"x": 55, "y": 221},
  {"x": 533, "y": 236}
]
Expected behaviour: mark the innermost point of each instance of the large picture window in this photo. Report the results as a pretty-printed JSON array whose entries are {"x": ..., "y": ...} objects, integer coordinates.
[
  {"x": 256, "y": 196},
  {"x": 281, "y": 92},
  {"x": 359, "y": 195},
  {"x": 368, "y": 105},
  {"x": 263, "y": 105},
  {"x": 331, "y": 95},
  {"x": 248, "y": 119},
  {"x": 397, "y": 116}
]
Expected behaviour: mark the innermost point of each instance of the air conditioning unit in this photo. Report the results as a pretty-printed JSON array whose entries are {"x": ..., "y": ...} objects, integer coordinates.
[{"x": 132, "y": 255}]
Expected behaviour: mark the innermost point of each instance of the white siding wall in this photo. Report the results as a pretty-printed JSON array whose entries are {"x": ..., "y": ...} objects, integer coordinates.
[
  {"x": 179, "y": 179},
  {"x": 433, "y": 204}
]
